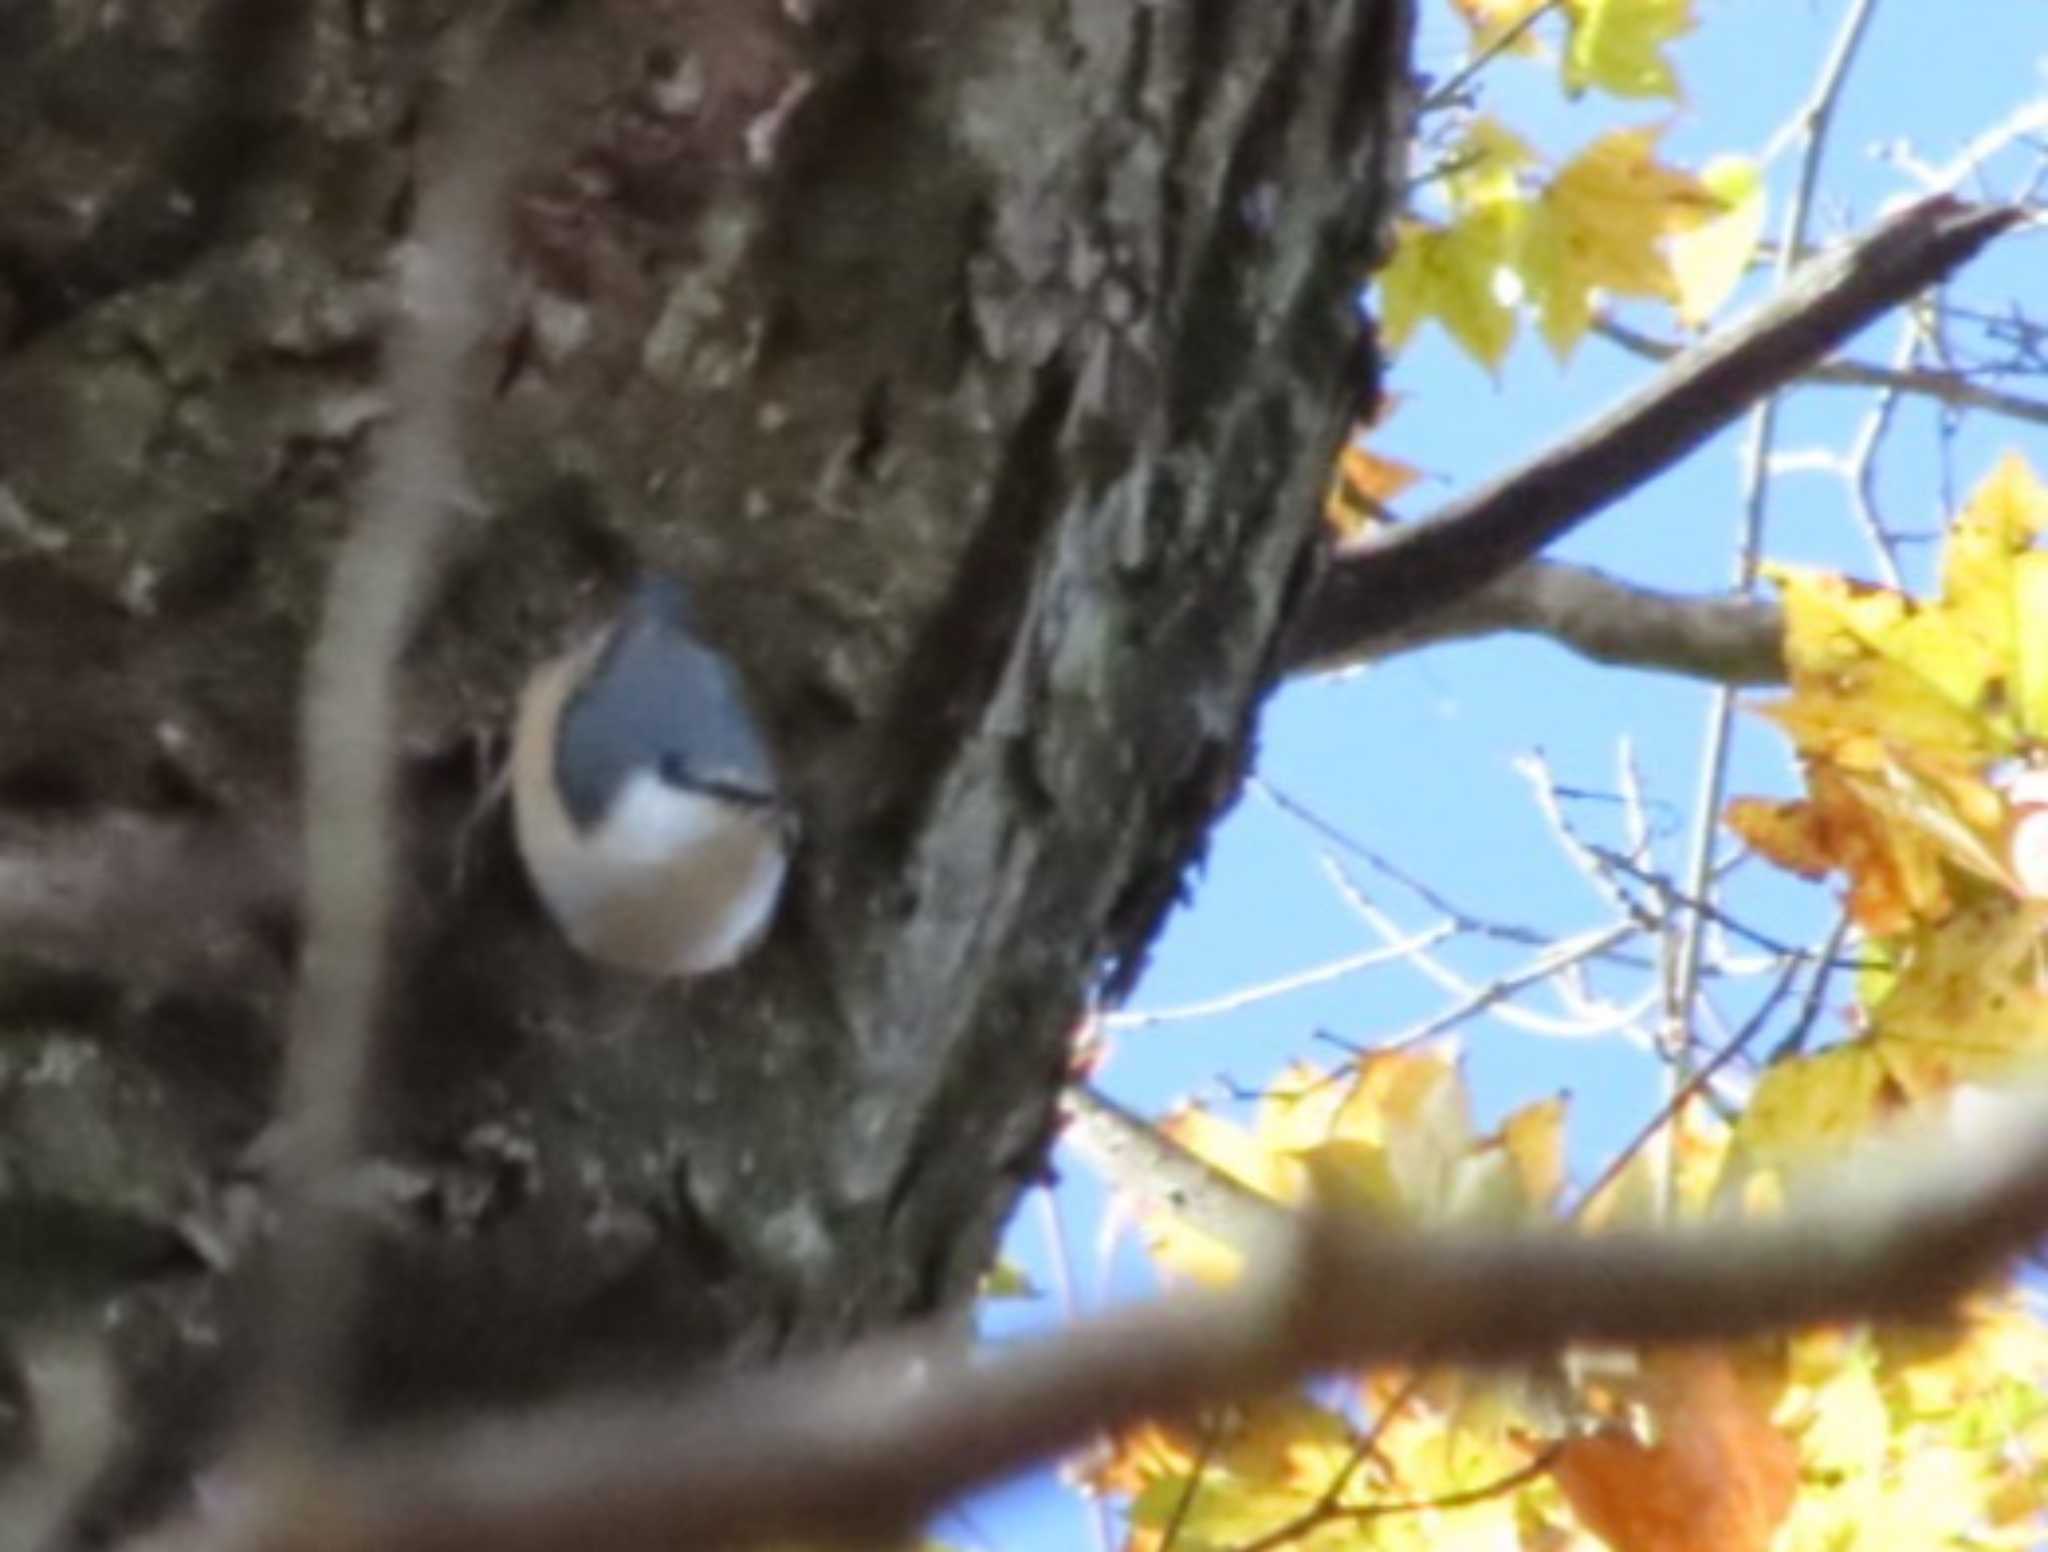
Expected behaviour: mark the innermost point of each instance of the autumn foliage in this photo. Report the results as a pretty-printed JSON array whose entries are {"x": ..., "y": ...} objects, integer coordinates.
[{"x": 1921, "y": 727}]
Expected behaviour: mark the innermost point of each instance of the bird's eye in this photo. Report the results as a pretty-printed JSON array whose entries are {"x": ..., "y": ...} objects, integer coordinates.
[{"x": 675, "y": 770}]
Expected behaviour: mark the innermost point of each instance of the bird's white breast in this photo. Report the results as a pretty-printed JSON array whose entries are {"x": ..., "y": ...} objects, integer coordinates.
[{"x": 671, "y": 882}]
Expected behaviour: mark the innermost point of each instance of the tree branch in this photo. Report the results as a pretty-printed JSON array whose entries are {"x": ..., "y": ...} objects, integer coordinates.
[
  {"x": 381, "y": 577},
  {"x": 864, "y": 1443},
  {"x": 1137, "y": 1158},
  {"x": 1950, "y": 388},
  {"x": 1728, "y": 638},
  {"x": 1406, "y": 572}
]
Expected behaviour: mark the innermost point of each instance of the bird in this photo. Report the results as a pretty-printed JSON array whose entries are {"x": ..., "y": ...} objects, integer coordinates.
[{"x": 646, "y": 805}]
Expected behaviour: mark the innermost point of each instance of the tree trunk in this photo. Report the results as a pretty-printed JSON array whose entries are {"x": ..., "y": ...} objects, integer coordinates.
[{"x": 980, "y": 365}]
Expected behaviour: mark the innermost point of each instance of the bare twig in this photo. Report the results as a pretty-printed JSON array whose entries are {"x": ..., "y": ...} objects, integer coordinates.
[
  {"x": 1448, "y": 93},
  {"x": 1281, "y": 986},
  {"x": 1139, "y": 1159},
  {"x": 381, "y": 576},
  {"x": 1212, "y": 1434},
  {"x": 1591, "y": 862},
  {"x": 1946, "y": 387},
  {"x": 1329, "y": 1503},
  {"x": 1496, "y": 996},
  {"x": 1499, "y": 1487},
  {"x": 2029, "y": 118},
  {"x": 1695, "y": 1083},
  {"x": 1860, "y": 475},
  {"x": 1406, "y": 572},
  {"x": 1465, "y": 921},
  {"x": 1813, "y": 119}
]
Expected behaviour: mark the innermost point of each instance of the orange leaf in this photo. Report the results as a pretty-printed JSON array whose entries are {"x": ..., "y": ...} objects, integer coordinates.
[
  {"x": 1719, "y": 1477},
  {"x": 1895, "y": 873}
]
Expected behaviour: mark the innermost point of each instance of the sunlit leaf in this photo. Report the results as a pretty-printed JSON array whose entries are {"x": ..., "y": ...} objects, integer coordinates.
[
  {"x": 1452, "y": 274},
  {"x": 1618, "y": 45},
  {"x": 1842, "y": 1424},
  {"x": 1602, "y": 225},
  {"x": 1895, "y": 873},
  {"x": 2030, "y": 660},
  {"x": 1811, "y": 1108},
  {"x": 1709, "y": 261},
  {"x": 1356, "y": 1178},
  {"x": 1486, "y": 163},
  {"x": 1868, "y": 662},
  {"x": 1534, "y": 1137},
  {"x": 1969, "y": 1000},
  {"x": 1690, "y": 1151},
  {"x": 1362, "y": 487},
  {"x": 1364, "y": 482},
  {"x": 1719, "y": 1477}
]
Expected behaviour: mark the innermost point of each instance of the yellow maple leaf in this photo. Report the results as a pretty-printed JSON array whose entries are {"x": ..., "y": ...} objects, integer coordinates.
[
  {"x": 1839, "y": 1416},
  {"x": 1995, "y": 1341},
  {"x": 1708, "y": 261},
  {"x": 1992, "y": 582},
  {"x": 1811, "y": 1108},
  {"x": 1602, "y": 225},
  {"x": 1902, "y": 713},
  {"x": 2030, "y": 659},
  {"x": 1533, "y": 1137},
  {"x": 1485, "y": 166},
  {"x": 1969, "y": 1001},
  {"x": 1901, "y": 833},
  {"x": 1618, "y": 46},
  {"x": 1695, "y": 1146},
  {"x": 1451, "y": 273}
]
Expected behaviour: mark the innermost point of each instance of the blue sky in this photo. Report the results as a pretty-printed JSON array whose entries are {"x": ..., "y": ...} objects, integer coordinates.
[{"x": 1416, "y": 758}]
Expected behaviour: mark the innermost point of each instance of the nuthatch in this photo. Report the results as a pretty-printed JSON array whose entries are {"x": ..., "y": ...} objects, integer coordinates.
[{"x": 643, "y": 797}]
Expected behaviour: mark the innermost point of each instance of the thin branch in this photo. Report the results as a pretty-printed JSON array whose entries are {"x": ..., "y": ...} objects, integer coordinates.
[
  {"x": 1328, "y": 1503},
  {"x": 1728, "y": 638},
  {"x": 1448, "y": 93},
  {"x": 1464, "y": 920},
  {"x": 904, "y": 1423},
  {"x": 1496, "y": 996},
  {"x": 1950, "y": 388},
  {"x": 1861, "y": 471},
  {"x": 1694, "y": 1084},
  {"x": 1590, "y": 861},
  {"x": 2030, "y": 118},
  {"x": 1281, "y": 986},
  {"x": 1134, "y": 1156},
  {"x": 1401, "y": 574},
  {"x": 1212, "y": 1434},
  {"x": 1485, "y": 1492},
  {"x": 1814, "y": 117},
  {"x": 381, "y": 577}
]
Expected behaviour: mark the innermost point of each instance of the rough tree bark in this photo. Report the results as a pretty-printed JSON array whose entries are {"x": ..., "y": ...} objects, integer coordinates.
[{"x": 981, "y": 364}]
